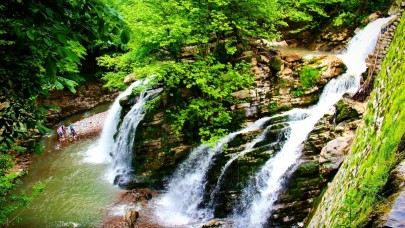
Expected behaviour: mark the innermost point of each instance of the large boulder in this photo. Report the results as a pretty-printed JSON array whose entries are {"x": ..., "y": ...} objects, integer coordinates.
[
  {"x": 332, "y": 155},
  {"x": 348, "y": 110}
]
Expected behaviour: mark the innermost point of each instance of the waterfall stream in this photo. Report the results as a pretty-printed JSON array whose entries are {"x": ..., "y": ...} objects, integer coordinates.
[
  {"x": 119, "y": 151},
  {"x": 257, "y": 199},
  {"x": 181, "y": 203},
  {"x": 124, "y": 143},
  {"x": 100, "y": 153}
]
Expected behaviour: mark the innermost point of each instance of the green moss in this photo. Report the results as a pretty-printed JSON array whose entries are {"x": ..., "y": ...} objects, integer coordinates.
[
  {"x": 345, "y": 112},
  {"x": 308, "y": 168},
  {"x": 275, "y": 64},
  {"x": 375, "y": 153},
  {"x": 297, "y": 92},
  {"x": 273, "y": 108},
  {"x": 309, "y": 76}
]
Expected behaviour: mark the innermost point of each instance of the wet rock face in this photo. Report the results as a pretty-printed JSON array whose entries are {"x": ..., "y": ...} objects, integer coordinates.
[
  {"x": 131, "y": 217},
  {"x": 333, "y": 153},
  {"x": 322, "y": 155},
  {"x": 278, "y": 85},
  {"x": 158, "y": 151},
  {"x": 87, "y": 96}
]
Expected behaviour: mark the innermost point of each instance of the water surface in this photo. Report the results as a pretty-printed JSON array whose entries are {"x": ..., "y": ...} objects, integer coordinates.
[{"x": 76, "y": 192}]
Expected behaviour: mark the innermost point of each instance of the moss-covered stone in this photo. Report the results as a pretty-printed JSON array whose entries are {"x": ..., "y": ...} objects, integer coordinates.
[
  {"x": 275, "y": 63},
  {"x": 356, "y": 189},
  {"x": 308, "y": 168},
  {"x": 346, "y": 111}
]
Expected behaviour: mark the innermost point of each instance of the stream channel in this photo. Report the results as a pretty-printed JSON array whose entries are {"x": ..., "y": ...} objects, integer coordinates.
[
  {"x": 79, "y": 191},
  {"x": 76, "y": 192}
]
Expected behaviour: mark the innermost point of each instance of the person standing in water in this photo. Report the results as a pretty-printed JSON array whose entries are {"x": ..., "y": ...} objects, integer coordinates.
[
  {"x": 60, "y": 133},
  {"x": 72, "y": 131}
]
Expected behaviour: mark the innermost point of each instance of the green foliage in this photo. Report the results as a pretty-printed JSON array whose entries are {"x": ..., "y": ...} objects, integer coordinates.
[
  {"x": 213, "y": 33},
  {"x": 309, "y": 76},
  {"x": 297, "y": 93},
  {"x": 209, "y": 85},
  {"x": 18, "y": 202},
  {"x": 353, "y": 13},
  {"x": 43, "y": 45},
  {"x": 273, "y": 108}
]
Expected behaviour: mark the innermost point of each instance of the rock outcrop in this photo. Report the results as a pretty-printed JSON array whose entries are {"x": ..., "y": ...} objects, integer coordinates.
[
  {"x": 278, "y": 87},
  {"x": 358, "y": 195},
  {"x": 306, "y": 184},
  {"x": 395, "y": 217},
  {"x": 86, "y": 97},
  {"x": 332, "y": 155}
]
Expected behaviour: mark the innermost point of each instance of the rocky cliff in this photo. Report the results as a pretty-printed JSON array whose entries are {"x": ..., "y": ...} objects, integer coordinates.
[
  {"x": 360, "y": 193},
  {"x": 86, "y": 97},
  {"x": 278, "y": 87}
]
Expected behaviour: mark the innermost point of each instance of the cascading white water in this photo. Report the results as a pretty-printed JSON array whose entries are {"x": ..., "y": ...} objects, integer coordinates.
[
  {"x": 124, "y": 143},
  {"x": 100, "y": 152},
  {"x": 258, "y": 198},
  {"x": 248, "y": 149},
  {"x": 179, "y": 205}
]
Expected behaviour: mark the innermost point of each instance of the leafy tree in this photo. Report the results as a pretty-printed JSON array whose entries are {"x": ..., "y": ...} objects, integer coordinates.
[
  {"x": 212, "y": 35},
  {"x": 46, "y": 45}
]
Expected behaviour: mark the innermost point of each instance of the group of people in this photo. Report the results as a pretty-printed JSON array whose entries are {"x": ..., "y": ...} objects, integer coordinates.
[{"x": 62, "y": 133}]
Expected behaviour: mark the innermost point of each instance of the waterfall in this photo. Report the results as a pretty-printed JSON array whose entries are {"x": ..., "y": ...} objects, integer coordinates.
[
  {"x": 124, "y": 143},
  {"x": 100, "y": 153},
  {"x": 248, "y": 149},
  {"x": 257, "y": 199},
  {"x": 179, "y": 205}
]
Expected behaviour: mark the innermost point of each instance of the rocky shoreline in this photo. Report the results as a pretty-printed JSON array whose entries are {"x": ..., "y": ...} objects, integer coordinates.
[{"x": 88, "y": 127}]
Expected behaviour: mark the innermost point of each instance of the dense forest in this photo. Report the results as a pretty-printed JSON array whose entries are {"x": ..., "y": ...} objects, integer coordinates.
[{"x": 198, "y": 46}]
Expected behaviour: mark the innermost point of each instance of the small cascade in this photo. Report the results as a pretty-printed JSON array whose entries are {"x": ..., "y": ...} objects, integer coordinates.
[
  {"x": 100, "y": 153},
  {"x": 257, "y": 199},
  {"x": 247, "y": 149},
  {"x": 124, "y": 143},
  {"x": 180, "y": 204}
]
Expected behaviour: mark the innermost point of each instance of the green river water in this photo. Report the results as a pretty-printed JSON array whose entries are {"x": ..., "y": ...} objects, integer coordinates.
[{"x": 76, "y": 192}]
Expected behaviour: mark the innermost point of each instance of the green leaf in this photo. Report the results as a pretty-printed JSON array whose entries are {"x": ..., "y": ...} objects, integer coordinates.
[
  {"x": 125, "y": 36},
  {"x": 38, "y": 148},
  {"x": 48, "y": 42},
  {"x": 70, "y": 84},
  {"x": 72, "y": 56},
  {"x": 51, "y": 68},
  {"x": 42, "y": 129},
  {"x": 30, "y": 35},
  {"x": 62, "y": 38},
  {"x": 59, "y": 85}
]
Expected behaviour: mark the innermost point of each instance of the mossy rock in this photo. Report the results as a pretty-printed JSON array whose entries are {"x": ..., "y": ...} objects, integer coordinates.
[
  {"x": 308, "y": 168},
  {"x": 346, "y": 111},
  {"x": 275, "y": 63}
]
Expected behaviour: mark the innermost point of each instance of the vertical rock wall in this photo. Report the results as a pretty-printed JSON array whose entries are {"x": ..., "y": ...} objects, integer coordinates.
[{"x": 356, "y": 195}]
